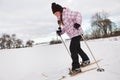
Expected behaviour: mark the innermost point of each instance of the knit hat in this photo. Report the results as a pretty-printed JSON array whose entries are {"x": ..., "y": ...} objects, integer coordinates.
[{"x": 56, "y": 7}]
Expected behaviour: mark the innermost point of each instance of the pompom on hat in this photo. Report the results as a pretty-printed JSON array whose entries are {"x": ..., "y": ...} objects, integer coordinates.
[{"x": 56, "y": 7}]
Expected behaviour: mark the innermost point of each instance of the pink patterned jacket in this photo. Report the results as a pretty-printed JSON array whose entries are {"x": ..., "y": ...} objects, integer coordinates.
[{"x": 69, "y": 19}]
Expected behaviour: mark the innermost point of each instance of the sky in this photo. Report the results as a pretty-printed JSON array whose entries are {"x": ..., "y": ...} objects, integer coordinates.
[{"x": 33, "y": 19}]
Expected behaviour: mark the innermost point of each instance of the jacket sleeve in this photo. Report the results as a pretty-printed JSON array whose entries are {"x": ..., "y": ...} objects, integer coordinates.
[{"x": 77, "y": 18}]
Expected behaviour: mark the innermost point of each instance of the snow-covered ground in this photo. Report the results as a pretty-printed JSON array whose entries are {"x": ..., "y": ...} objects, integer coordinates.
[{"x": 51, "y": 62}]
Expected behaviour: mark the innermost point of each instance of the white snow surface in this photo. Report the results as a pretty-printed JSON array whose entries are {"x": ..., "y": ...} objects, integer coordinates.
[{"x": 51, "y": 62}]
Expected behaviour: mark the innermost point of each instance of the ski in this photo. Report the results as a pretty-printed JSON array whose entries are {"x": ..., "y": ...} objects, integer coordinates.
[
  {"x": 84, "y": 71},
  {"x": 75, "y": 74},
  {"x": 91, "y": 63}
]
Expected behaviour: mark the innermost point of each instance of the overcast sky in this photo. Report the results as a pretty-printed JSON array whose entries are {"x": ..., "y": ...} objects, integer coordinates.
[{"x": 34, "y": 18}]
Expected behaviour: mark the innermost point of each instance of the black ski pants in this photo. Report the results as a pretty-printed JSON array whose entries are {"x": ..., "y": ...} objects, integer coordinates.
[{"x": 76, "y": 50}]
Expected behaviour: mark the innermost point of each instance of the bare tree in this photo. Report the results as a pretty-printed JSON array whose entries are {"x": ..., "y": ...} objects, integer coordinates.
[
  {"x": 29, "y": 43},
  {"x": 101, "y": 23},
  {"x": 19, "y": 43}
]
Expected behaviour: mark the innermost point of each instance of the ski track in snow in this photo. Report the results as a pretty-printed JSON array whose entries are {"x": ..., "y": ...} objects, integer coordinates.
[{"x": 51, "y": 62}]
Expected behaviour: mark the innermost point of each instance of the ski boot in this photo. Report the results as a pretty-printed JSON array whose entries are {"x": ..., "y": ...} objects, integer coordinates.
[
  {"x": 85, "y": 63},
  {"x": 75, "y": 71}
]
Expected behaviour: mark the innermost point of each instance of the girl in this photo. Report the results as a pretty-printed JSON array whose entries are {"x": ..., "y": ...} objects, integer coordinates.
[{"x": 71, "y": 22}]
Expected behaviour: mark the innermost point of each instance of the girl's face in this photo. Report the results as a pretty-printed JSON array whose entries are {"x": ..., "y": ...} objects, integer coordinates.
[{"x": 57, "y": 14}]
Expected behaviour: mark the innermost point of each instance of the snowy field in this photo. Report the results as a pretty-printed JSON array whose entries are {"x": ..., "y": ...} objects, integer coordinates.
[{"x": 51, "y": 62}]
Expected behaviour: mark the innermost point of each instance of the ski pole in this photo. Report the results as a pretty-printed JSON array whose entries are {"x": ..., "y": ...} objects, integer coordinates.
[
  {"x": 99, "y": 69},
  {"x": 65, "y": 45},
  {"x": 64, "y": 42}
]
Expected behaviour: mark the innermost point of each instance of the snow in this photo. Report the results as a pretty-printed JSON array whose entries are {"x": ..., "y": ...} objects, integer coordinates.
[{"x": 51, "y": 62}]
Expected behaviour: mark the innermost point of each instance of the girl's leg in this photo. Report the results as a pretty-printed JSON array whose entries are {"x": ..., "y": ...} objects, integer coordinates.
[
  {"x": 81, "y": 52},
  {"x": 74, "y": 54}
]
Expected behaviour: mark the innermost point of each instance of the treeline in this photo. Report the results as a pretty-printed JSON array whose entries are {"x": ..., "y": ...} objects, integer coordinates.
[
  {"x": 10, "y": 41},
  {"x": 57, "y": 41}
]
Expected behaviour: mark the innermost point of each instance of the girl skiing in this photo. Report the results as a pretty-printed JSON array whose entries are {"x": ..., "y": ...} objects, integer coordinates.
[{"x": 71, "y": 22}]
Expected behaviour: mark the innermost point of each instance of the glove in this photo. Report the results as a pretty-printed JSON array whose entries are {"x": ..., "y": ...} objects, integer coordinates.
[
  {"x": 58, "y": 32},
  {"x": 76, "y": 26},
  {"x": 59, "y": 28}
]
